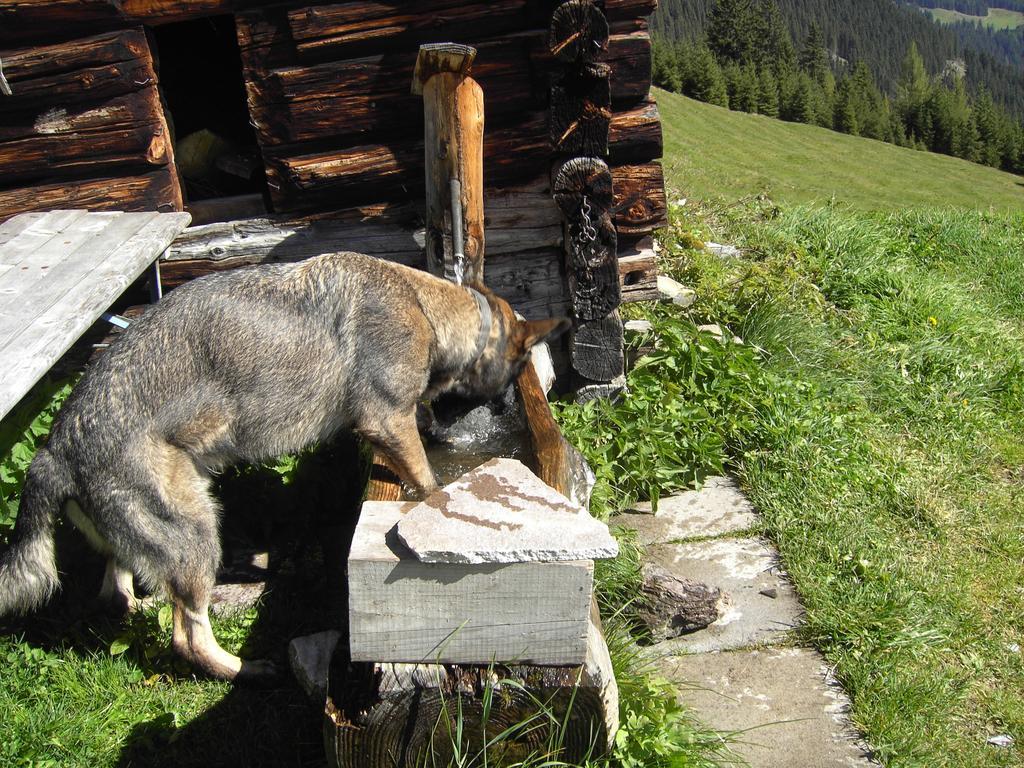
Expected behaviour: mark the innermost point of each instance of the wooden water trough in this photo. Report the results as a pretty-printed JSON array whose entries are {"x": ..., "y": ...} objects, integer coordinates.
[{"x": 394, "y": 713}]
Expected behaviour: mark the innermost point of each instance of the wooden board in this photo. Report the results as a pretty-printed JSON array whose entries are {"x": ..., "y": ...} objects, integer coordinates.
[
  {"x": 518, "y": 219},
  {"x": 65, "y": 269},
  {"x": 402, "y": 610}
]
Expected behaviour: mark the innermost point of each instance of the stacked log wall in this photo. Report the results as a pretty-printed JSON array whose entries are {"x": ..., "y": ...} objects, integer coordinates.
[
  {"x": 84, "y": 128},
  {"x": 340, "y": 131}
]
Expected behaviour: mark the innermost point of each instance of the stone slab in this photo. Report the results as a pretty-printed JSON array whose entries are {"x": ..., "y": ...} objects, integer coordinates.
[
  {"x": 783, "y": 703},
  {"x": 748, "y": 573},
  {"x": 502, "y": 513},
  {"x": 718, "y": 508}
]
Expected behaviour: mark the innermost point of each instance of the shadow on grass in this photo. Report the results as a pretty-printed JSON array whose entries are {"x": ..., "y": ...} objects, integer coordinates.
[{"x": 306, "y": 525}]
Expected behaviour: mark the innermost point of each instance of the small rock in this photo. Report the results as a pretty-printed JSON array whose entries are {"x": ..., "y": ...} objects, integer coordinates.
[
  {"x": 722, "y": 250},
  {"x": 638, "y": 326},
  {"x": 673, "y": 291},
  {"x": 1013, "y": 648},
  {"x": 771, "y": 592},
  {"x": 310, "y": 660},
  {"x": 1002, "y": 740},
  {"x": 716, "y": 330},
  {"x": 673, "y": 606},
  {"x": 230, "y": 599},
  {"x": 681, "y": 202}
]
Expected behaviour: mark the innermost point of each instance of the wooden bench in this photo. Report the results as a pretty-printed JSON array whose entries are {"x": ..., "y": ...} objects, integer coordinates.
[{"x": 59, "y": 272}]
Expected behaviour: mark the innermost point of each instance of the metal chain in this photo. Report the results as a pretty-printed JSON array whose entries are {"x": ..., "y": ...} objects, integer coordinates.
[{"x": 585, "y": 247}]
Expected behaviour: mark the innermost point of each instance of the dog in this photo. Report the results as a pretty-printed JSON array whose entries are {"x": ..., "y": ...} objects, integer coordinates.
[{"x": 243, "y": 366}]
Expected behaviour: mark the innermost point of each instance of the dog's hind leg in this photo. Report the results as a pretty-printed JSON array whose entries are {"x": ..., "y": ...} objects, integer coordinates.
[
  {"x": 168, "y": 523},
  {"x": 118, "y": 589},
  {"x": 193, "y": 637}
]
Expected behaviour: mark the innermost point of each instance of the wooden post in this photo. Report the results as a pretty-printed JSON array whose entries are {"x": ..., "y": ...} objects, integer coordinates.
[
  {"x": 579, "y": 126},
  {"x": 453, "y": 113}
]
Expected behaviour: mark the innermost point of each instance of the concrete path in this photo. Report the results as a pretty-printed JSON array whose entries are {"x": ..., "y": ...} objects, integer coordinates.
[{"x": 742, "y": 674}]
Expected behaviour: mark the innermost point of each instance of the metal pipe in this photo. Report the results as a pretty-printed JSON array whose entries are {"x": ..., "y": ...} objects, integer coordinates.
[{"x": 458, "y": 236}]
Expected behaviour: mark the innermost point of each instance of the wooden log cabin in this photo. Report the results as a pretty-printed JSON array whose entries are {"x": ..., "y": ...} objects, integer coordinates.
[{"x": 290, "y": 129}]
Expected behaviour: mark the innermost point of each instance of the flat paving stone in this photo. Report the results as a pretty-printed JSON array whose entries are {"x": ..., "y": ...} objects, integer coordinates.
[
  {"x": 760, "y": 605},
  {"x": 787, "y": 708},
  {"x": 718, "y": 508}
]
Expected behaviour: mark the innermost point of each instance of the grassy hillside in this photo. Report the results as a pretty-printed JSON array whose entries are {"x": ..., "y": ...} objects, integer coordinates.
[
  {"x": 712, "y": 152},
  {"x": 997, "y": 18}
]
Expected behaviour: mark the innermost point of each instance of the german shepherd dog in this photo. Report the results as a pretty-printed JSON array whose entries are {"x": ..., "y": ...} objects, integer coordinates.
[{"x": 244, "y": 366}]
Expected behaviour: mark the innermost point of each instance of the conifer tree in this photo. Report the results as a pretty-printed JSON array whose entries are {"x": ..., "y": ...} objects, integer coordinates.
[
  {"x": 845, "y": 109},
  {"x": 665, "y": 66},
  {"x": 702, "y": 77},
  {"x": 767, "y": 93},
  {"x": 731, "y": 30},
  {"x": 912, "y": 95},
  {"x": 814, "y": 56}
]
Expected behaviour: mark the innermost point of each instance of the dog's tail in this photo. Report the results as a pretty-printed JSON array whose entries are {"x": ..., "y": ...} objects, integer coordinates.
[{"x": 28, "y": 571}]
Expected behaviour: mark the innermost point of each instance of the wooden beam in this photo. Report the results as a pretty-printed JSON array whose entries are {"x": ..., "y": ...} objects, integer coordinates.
[
  {"x": 118, "y": 113},
  {"x": 581, "y": 112},
  {"x": 639, "y": 205},
  {"x": 512, "y": 155},
  {"x": 24, "y": 22},
  {"x": 92, "y": 152},
  {"x": 578, "y": 33},
  {"x": 154, "y": 191},
  {"x": 638, "y": 270},
  {"x": 364, "y": 25},
  {"x": 634, "y": 135},
  {"x": 596, "y": 348}
]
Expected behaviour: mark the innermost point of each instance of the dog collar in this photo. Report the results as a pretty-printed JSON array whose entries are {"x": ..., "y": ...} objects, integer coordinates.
[{"x": 485, "y": 322}]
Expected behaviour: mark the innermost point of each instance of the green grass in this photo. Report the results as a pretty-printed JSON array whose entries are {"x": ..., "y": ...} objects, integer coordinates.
[
  {"x": 882, "y": 440},
  {"x": 890, "y": 476},
  {"x": 81, "y": 689},
  {"x": 711, "y": 152},
  {"x": 997, "y": 18}
]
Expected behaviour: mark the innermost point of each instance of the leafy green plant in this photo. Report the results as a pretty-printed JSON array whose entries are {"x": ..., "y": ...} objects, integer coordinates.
[
  {"x": 687, "y": 401},
  {"x": 21, "y": 433}
]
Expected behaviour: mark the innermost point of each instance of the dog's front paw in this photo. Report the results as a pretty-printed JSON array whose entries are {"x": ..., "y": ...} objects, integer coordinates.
[
  {"x": 414, "y": 493},
  {"x": 259, "y": 672}
]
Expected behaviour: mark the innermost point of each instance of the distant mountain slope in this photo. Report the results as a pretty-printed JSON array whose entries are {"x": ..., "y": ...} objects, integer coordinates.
[
  {"x": 712, "y": 152},
  {"x": 878, "y": 32}
]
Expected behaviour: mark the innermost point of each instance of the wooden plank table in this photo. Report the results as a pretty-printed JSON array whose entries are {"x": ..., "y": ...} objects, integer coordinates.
[{"x": 59, "y": 272}]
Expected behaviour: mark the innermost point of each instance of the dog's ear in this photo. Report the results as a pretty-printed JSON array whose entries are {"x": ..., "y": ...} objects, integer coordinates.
[{"x": 530, "y": 332}]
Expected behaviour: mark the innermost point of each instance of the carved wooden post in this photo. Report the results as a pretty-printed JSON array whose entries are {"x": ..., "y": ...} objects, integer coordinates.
[
  {"x": 453, "y": 111},
  {"x": 578, "y": 127}
]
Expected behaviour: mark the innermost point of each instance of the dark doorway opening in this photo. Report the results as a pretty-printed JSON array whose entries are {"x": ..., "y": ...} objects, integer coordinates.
[{"x": 215, "y": 147}]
